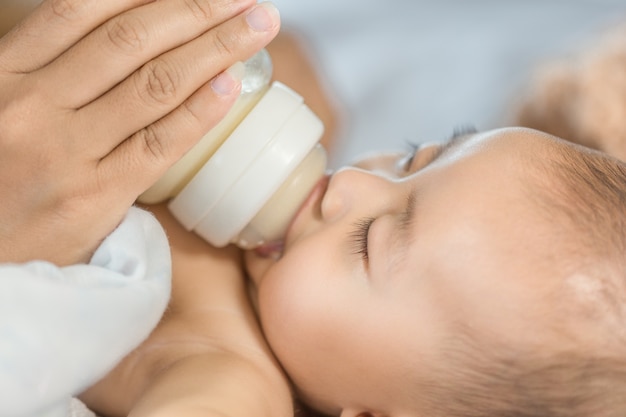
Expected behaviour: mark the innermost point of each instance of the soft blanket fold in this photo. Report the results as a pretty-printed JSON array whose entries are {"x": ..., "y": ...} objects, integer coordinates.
[{"x": 61, "y": 329}]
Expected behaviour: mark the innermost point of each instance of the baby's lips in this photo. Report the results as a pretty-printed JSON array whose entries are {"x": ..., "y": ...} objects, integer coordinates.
[{"x": 270, "y": 250}]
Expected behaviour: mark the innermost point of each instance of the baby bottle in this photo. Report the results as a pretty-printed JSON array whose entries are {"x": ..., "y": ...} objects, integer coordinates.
[{"x": 244, "y": 181}]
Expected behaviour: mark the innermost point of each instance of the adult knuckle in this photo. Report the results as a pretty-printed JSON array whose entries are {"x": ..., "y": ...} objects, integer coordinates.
[
  {"x": 127, "y": 33},
  {"x": 159, "y": 82},
  {"x": 223, "y": 43},
  {"x": 151, "y": 143},
  {"x": 15, "y": 118},
  {"x": 67, "y": 9},
  {"x": 202, "y": 10},
  {"x": 190, "y": 115}
]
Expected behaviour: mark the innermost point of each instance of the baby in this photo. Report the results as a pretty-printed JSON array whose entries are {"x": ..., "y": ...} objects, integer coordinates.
[{"x": 480, "y": 277}]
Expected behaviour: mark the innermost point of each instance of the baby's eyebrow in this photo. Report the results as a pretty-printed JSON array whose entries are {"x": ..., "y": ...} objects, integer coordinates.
[
  {"x": 405, "y": 220},
  {"x": 448, "y": 146}
]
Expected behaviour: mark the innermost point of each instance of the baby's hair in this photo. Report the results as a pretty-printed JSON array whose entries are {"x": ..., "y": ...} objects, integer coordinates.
[
  {"x": 589, "y": 189},
  {"x": 500, "y": 381},
  {"x": 581, "y": 195}
]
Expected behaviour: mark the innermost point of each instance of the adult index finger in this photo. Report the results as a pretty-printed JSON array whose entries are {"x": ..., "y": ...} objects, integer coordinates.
[
  {"x": 52, "y": 28},
  {"x": 117, "y": 48},
  {"x": 145, "y": 155}
]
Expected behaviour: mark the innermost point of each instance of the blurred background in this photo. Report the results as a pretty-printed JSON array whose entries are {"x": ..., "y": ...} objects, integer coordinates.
[
  {"x": 414, "y": 70},
  {"x": 403, "y": 71}
]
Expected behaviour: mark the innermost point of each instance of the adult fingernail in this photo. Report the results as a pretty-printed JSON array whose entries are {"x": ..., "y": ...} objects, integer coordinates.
[
  {"x": 263, "y": 17},
  {"x": 226, "y": 82}
]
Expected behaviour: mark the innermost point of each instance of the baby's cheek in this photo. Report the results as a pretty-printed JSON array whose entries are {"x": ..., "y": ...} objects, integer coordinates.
[
  {"x": 280, "y": 294},
  {"x": 294, "y": 327},
  {"x": 289, "y": 303}
]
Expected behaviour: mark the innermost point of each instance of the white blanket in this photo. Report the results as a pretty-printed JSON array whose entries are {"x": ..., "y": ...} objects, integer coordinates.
[{"x": 61, "y": 329}]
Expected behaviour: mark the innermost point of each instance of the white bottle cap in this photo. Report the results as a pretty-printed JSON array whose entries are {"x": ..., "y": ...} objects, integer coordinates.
[{"x": 249, "y": 167}]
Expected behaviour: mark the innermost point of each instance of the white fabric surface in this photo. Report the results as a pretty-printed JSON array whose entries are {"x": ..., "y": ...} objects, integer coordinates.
[
  {"x": 61, "y": 329},
  {"x": 78, "y": 409}
]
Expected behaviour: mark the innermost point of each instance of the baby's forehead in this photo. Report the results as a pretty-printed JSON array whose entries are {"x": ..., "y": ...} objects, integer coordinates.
[
  {"x": 524, "y": 143},
  {"x": 518, "y": 154}
]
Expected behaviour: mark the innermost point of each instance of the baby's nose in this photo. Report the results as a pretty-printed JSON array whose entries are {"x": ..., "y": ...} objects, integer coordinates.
[{"x": 350, "y": 189}]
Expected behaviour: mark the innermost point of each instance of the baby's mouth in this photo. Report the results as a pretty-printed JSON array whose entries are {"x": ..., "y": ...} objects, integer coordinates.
[{"x": 272, "y": 250}]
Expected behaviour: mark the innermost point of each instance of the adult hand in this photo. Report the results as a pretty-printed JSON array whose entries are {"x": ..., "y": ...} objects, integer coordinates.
[{"x": 98, "y": 99}]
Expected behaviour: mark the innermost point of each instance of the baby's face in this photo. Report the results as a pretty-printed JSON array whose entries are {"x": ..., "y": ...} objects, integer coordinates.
[{"x": 380, "y": 267}]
